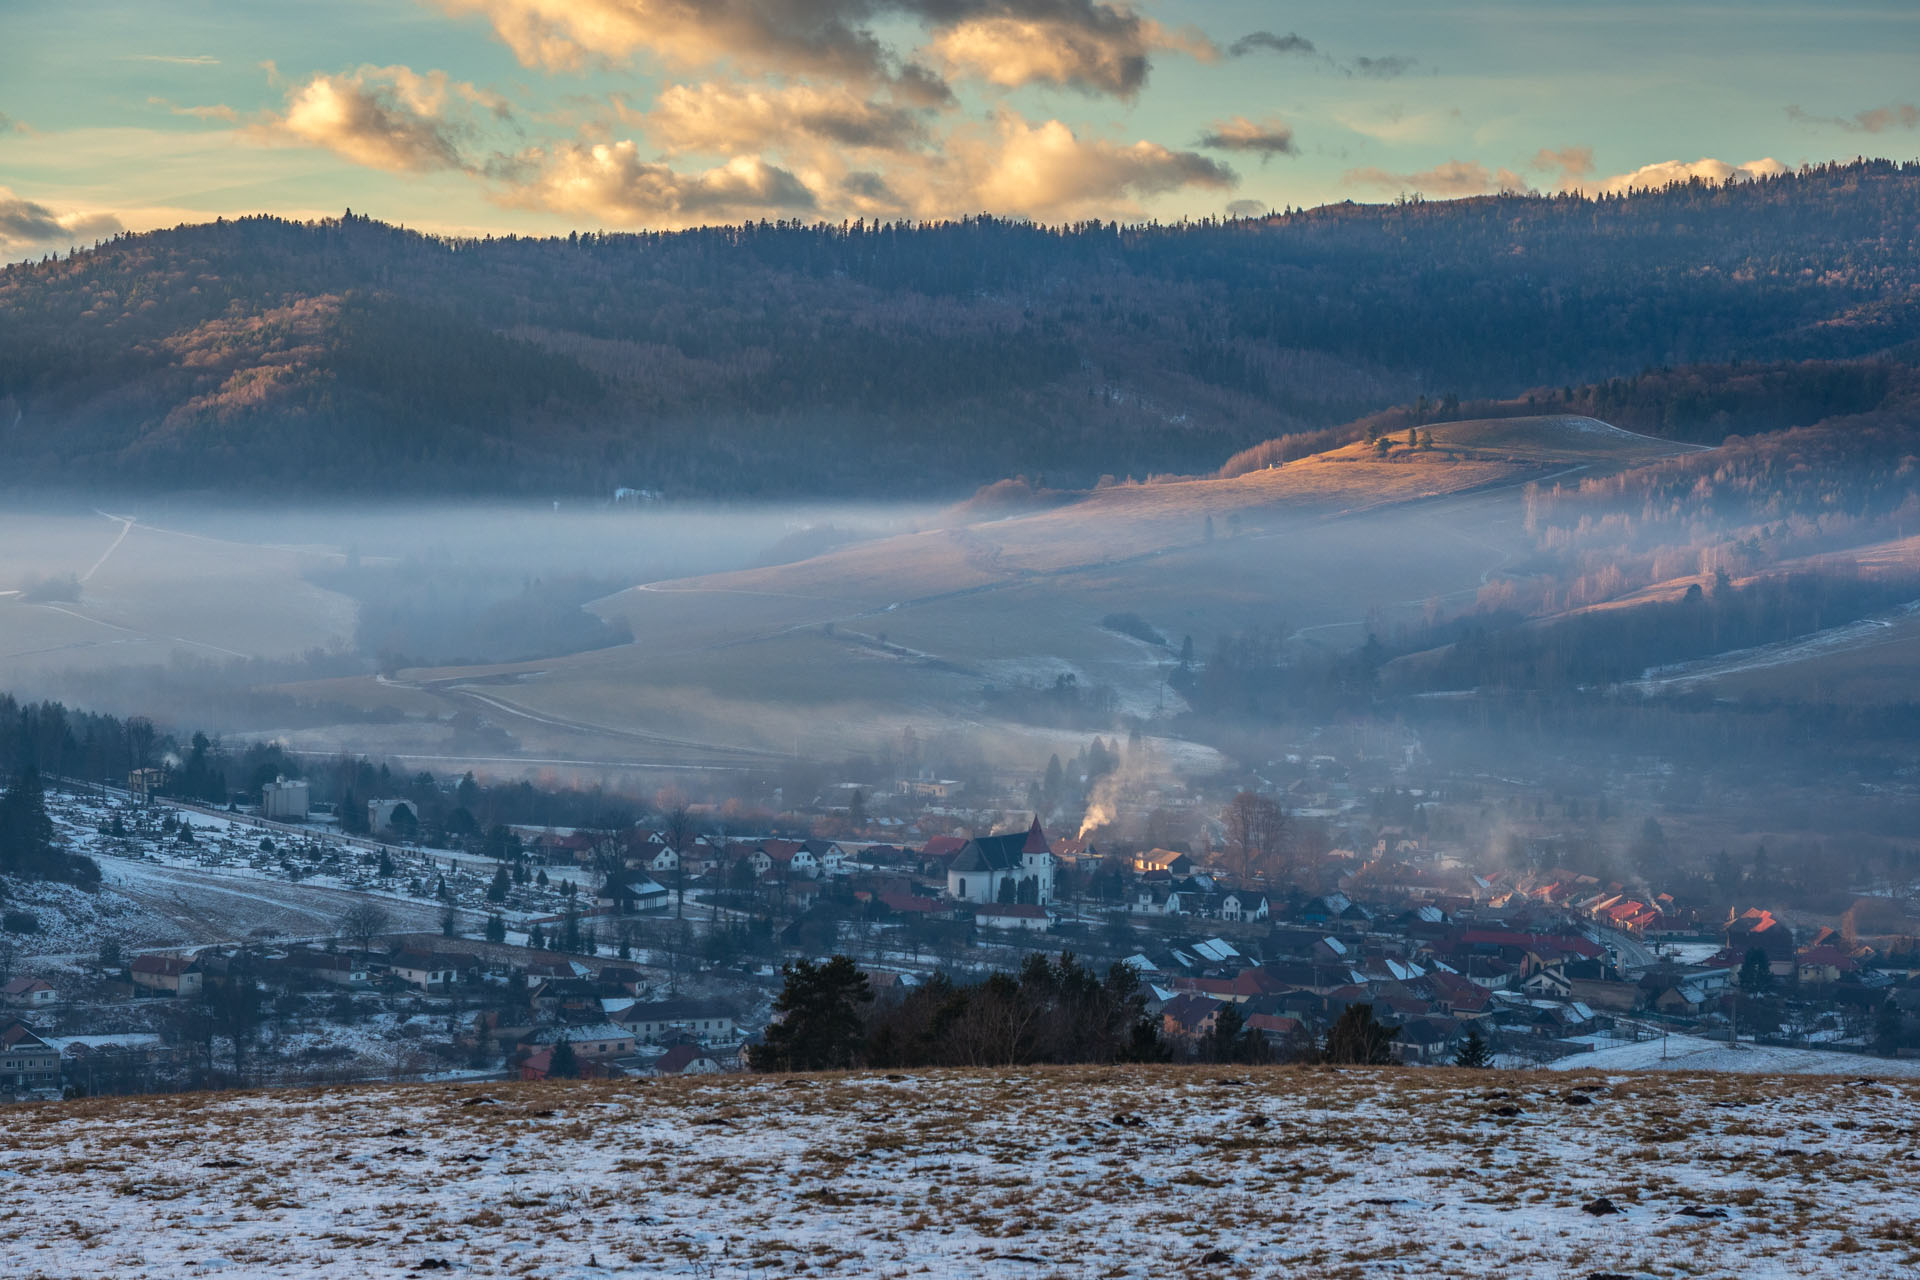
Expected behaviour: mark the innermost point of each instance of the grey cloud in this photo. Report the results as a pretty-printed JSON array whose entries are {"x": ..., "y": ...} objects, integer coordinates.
[
  {"x": 1247, "y": 208},
  {"x": 1899, "y": 115},
  {"x": 1269, "y": 42},
  {"x": 1388, "y": 68},
  {"x": 26, "y": 224},
  {"x": 1240, "y": 134}
]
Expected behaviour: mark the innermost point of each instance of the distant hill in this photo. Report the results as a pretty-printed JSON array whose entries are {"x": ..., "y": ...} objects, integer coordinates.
[{"x": 352, "y": 356}]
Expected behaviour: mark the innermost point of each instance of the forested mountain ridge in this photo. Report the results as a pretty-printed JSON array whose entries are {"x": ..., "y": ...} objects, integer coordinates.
[{"x": 348, "y": 355}]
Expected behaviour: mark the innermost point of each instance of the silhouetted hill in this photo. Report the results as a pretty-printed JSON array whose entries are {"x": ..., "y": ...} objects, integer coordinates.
[{"x": 354, "y": 356}]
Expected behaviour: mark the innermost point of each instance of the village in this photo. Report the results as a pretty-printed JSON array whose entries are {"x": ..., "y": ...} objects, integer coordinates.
[{"x": 528, "y": 952}]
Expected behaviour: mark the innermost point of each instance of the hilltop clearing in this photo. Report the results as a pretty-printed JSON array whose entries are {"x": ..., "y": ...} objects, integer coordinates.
[{"x": 1114, "y": 1172}]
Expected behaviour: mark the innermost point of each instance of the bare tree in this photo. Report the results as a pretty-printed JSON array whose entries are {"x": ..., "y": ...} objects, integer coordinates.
[
  {"x": 681, "y": 829},
  {"x": 1256, "y": 828},
  {"x": 362, "y": 921}
]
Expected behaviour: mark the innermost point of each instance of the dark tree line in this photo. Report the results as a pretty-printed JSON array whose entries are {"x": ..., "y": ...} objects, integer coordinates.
[{"x": 1055, "y": 1010}]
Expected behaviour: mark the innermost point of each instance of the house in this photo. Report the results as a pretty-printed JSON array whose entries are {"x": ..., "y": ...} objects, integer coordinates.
[
  {"x": 602, "y": 1041},
  {"x": 336, "y": 967},
  {"x": 1189, "y": 1017},
  {"x": 686, "y": 1060},
  {"x": 785, "y": 859},
  {"x": 1819, "y": 966},
  {"x": 656, "y": 1021},
  {"x": 655, "y": 856},
  {"x": 1013, "y": 916},
  {"x": 1426, "y": 1040},
  {"x": 28, "y": 993},
  {"x": 628, "y": 891},
  {"x": 386, "y": 816},
  {"x": 172, "y": 975},
  {"x": 423, "y": 969},
  {"x": 1013, "y": 867},
  {"x": 538, "y": 1065},
  {"x": 1174, "y": 864},
  {"x": 1243, "y": 905},
  {"x": 539, "y": 971},
  {"x": 621, "y": 978},
  {"x": 28, "y": 1064},
  {"x": 566, "y": 997},
  {"x": 1552, "y": 982}
]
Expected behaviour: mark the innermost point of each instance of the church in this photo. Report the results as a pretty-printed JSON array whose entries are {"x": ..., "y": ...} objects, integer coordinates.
[{"x": 1014, "y": 867}]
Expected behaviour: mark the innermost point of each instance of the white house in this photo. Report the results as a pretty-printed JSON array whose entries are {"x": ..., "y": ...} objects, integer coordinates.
[
  {"x": 28, "y": 993},
  {"x": 1015, "y": 915},
  {"x": 792, "y": 857},
  {"x": 992, "y": 869},
  {"x": 1243, "y": 904},
  {"x": 424, "y": 970}
]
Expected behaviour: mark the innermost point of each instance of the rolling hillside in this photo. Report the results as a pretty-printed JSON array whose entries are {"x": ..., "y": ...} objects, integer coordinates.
[{"x": 352, "y": 356}]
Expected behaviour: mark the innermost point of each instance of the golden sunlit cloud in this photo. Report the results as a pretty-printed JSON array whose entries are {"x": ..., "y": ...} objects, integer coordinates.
[
  {"x": 611, "y": 182},
  {"x": 734, "y": 119},
  {"x": 1652, "y": 177},
  {"x": 391, "y": 118}
]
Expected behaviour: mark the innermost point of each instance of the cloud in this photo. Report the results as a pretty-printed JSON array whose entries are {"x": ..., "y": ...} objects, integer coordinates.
[
  {"x": 27, "y": 226},
  {"x": 1241, "y": 134},
  {"x": 6, "y": 122},
  {"x": 737, "y": 119},
  {"x": 391, "y": 118},
  {"x": 611, "y": 182},
  {"x": 1247, "y": 208},
  {"x": 1390, "y": 67},
  {"x": 1652, "y": 177},
  {"x": 1072, "y": 44},
  {"x": 177, "y": 59},
  {"x": 1899, "y": 115},
  {"x": 1268, "y": 42},
  {"x": 1401, "y": 125},
  {"x": 1454, "y": 178},
  {"x": 1089, "y": 45},
  {"x": 1047, "y": 170},
  {"x": 215, "y": 112},
  {"x": 1568, "y": 164}
]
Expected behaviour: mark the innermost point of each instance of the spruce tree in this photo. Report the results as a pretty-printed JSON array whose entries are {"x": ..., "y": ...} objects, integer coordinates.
[{"x": 1474, "y": 1052}]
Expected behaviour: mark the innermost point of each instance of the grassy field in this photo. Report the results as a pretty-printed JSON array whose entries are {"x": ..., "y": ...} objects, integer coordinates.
[{"x": 1055, "y": 1174}]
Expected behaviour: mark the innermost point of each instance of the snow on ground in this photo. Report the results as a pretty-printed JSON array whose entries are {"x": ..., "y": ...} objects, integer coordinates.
[
  {"x": 1090, "y": 1172},
  {"x": 1694, "y": 1053}
]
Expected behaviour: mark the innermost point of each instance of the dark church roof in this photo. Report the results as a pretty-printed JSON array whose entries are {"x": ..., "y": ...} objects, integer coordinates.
[{"x": 1000, "y": 853}]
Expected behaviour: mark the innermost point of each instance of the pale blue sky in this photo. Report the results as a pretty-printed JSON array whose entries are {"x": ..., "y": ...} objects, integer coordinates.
[{"x": 468, "y": 115}]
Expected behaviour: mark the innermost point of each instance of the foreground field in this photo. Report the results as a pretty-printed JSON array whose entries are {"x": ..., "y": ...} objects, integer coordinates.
[{"x": 1069, "y": 1173}]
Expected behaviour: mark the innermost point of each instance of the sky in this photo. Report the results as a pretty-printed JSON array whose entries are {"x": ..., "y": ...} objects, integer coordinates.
[{"x": 544, "y": 116}]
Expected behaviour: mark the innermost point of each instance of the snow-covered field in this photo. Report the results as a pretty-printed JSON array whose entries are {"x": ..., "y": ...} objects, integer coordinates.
[
  {"x": 1112, "y": 1172},
  {"x": 1694, "y": 1053}
]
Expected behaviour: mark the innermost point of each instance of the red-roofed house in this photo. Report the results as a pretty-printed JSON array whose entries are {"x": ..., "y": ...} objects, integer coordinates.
[
  {"x": 28, "y": 993},
  {"x": 686, "y": 1060}
]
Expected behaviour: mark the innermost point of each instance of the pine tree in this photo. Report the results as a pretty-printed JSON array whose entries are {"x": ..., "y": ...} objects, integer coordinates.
[
  {"x": 497, "y": 891},
  {"x": 1357, "y": 1037},
  {"x": 1475, "y": 1052},
  {"x": 565, "y": 1063},
  {"x": 496, "y": 928},
  {"x": 818, "y": 1026}
]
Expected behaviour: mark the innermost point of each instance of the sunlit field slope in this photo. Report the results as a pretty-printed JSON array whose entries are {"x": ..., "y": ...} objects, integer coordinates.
[{"x": 842, "y": 650}]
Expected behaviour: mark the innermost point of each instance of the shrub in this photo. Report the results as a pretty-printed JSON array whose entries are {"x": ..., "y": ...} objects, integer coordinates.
[{"x": 20, "y": 922}]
